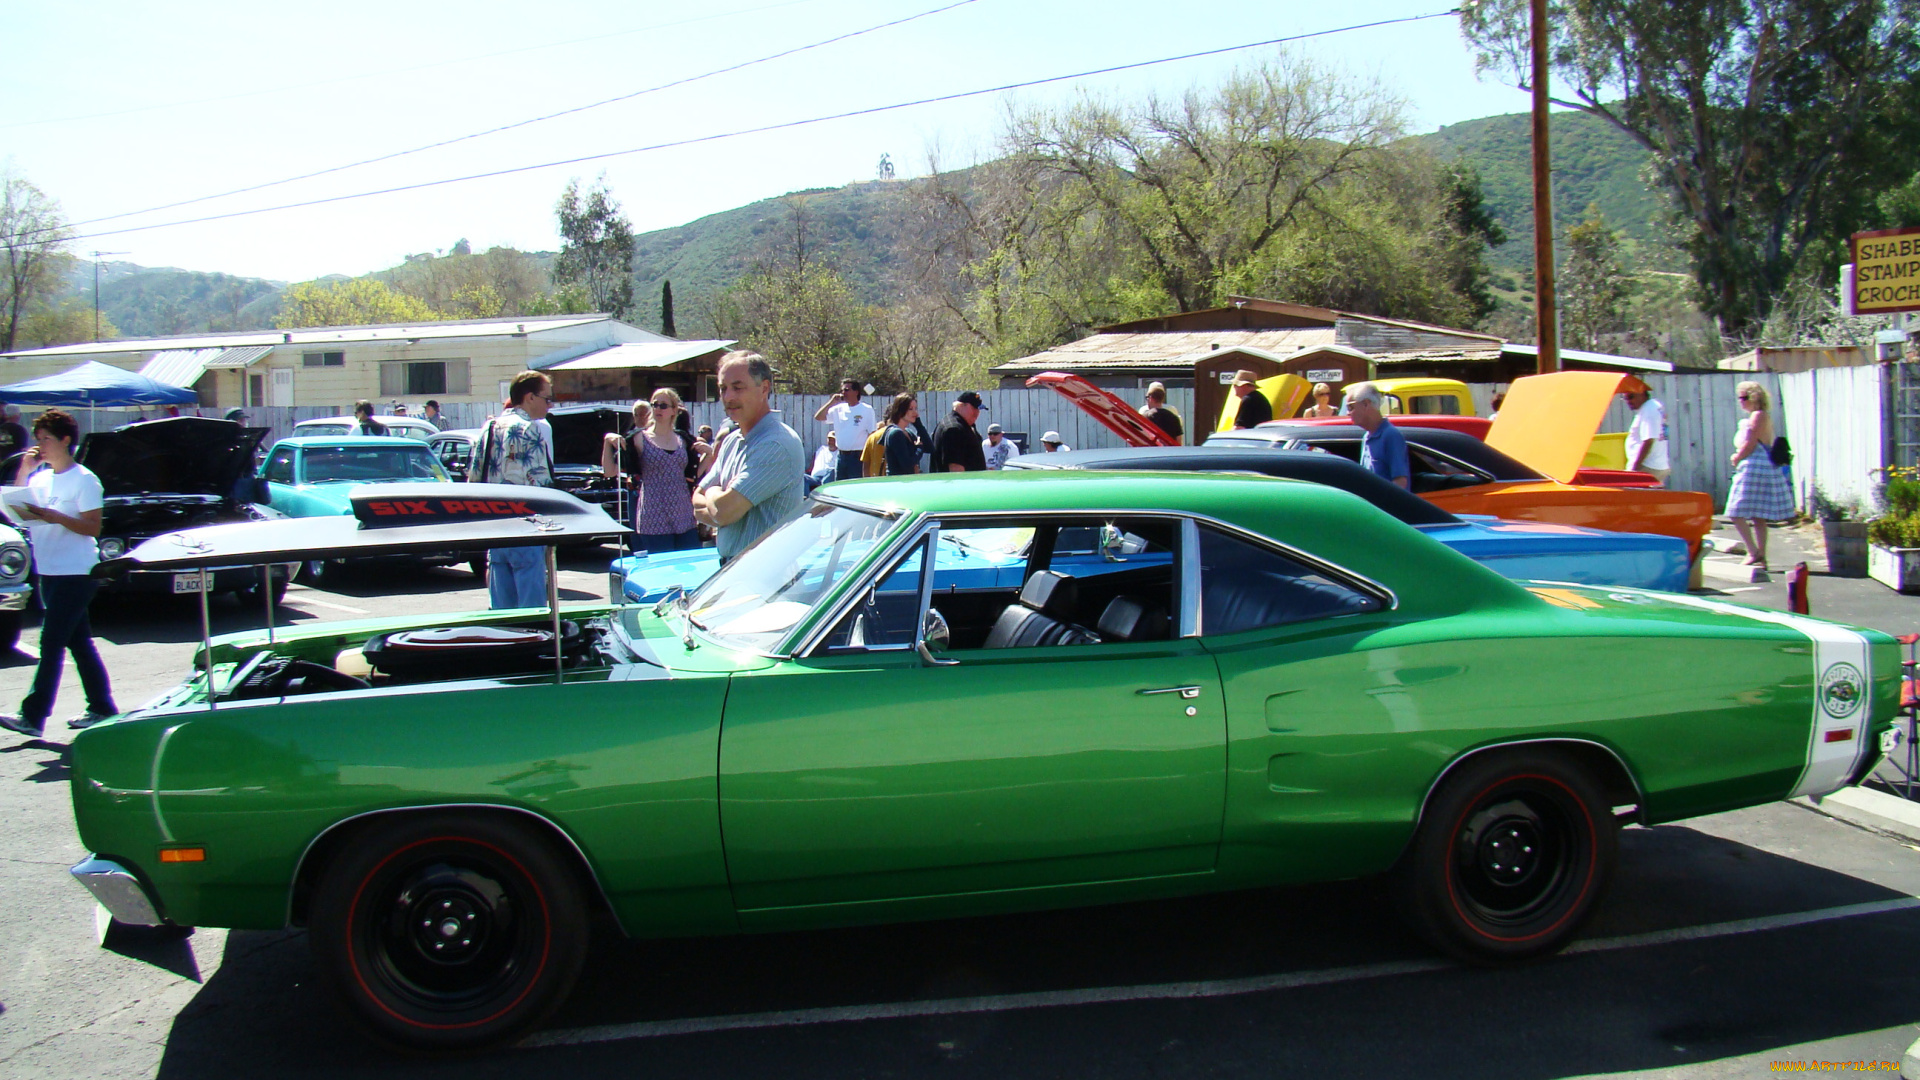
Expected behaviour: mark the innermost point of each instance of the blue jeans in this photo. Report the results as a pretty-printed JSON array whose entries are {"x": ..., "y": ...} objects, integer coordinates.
[
  {"x": 64, "y": 628},
  {"x": 849, "y": 467},
  {"x": 654, "y": 543},
  {"x": 517, "y": 577}
]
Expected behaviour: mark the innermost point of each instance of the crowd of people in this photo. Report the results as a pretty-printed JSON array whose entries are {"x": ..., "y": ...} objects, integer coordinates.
[{"x": 736, "y": 485}]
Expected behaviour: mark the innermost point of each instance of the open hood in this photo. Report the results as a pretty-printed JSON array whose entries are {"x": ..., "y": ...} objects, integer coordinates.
[
  {"x": 579, "y": 429},
  {"x": 1113, "y": 414},
  {"x": 1548, "y": 421},
  {"x": 387, "y": 519},
  {"x": 181, "y": 455}
]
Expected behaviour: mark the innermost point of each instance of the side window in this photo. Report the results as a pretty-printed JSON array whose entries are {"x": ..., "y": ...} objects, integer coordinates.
[
  {"x": 1244, "y": 586},
  {"x": 280, "y": 467},
  {"x": 1435, "y": 472},
  {"x": 887, "y": 617}
]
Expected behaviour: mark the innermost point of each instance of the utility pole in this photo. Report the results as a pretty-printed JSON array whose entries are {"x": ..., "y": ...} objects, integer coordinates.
[
  {"x": 1546, "y": 317},
  {"x": 96, "y": 287}
]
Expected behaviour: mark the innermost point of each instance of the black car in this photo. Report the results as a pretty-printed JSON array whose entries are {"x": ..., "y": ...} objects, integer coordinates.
[
  {"x": 159, "y": 476},
  {"x": 578, "y": 431},
  {"x": 1308, "y": 465},
  {"x": 1441, "y": 458}
]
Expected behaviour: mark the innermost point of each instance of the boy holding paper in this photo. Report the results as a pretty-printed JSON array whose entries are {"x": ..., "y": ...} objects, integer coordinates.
[{"x": 63, "y": 515}]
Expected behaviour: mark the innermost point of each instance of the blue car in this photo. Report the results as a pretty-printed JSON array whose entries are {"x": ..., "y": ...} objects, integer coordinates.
[{"x": 1522, "y": 550}]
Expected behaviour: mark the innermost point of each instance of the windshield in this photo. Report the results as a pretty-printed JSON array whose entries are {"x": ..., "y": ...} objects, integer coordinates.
[
  {"x": 754, "y": 600},
  {"x": 362, "y": 464}
]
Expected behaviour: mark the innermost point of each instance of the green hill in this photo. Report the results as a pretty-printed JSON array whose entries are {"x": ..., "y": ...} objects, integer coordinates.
[
  {"x": 858, "y": 229},
  {"x": 148, "y": 301},
  {"x": 855, "y": 229},
  {"x": 1593, "y": 162}
]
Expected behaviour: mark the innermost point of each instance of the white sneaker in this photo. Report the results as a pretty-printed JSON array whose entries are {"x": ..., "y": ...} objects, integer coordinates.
[
  {"x": 15, "y": 723},
  {"x": 89, "y": 718}
]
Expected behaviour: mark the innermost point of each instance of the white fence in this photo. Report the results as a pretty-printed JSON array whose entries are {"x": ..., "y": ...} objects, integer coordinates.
[{"x": 1832, "y": 416}]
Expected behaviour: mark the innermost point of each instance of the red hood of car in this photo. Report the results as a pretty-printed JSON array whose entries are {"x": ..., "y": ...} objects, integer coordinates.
[{"x": 1113, "y": 414}]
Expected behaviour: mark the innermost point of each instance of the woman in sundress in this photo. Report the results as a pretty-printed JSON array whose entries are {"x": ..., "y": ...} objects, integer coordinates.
[{"x": 1759, "y": 493}]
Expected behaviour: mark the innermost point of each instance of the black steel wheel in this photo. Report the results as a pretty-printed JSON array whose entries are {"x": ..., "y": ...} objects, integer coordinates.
[
  {"x": 1511, "y": 854},
  {"x": 449, "y": 932}
]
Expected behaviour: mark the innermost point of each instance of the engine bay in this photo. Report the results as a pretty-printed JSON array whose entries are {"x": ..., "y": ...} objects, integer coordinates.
[{"x": 435, "y": 654}]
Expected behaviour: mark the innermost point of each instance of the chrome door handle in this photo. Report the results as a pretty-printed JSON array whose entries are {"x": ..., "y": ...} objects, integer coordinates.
[{"x": 1187, "y": 693}]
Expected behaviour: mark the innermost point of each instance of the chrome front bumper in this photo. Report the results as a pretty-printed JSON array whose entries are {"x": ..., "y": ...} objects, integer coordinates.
[
  {"x": 15, "y": 597},
  {"x": 118, "y": 891}
]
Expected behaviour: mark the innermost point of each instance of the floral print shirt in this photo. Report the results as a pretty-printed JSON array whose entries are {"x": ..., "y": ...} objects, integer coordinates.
[{"x": 511, "y": 451}]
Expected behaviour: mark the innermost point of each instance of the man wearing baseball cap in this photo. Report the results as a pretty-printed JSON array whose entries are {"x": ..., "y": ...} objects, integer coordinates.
[
  {"x": 998, "y": 449},
  {"x": 956, "y": 443},
  {"x": 1051, "y": 443}
]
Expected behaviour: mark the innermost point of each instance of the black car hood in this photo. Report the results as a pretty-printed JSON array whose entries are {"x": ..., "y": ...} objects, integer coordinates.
[
  {"x": 578, "y": 431},
  {"x": 181, "y": 455}
]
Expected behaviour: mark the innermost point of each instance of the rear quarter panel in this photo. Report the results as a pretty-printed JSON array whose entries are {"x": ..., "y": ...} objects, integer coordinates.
[{"x": 1338, "y": 733}]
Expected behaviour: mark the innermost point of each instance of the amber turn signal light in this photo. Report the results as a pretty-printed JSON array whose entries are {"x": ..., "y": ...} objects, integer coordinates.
[{"x": 183, "y": 854}]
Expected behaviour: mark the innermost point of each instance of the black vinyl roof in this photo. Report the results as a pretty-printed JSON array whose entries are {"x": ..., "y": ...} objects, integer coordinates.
[
  {"x": 1307, "y": 465},
  {"x": 1458, "y": 445}
]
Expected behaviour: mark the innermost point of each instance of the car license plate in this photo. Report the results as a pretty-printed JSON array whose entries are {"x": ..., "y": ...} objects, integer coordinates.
[{"x": 186, "y": 583}]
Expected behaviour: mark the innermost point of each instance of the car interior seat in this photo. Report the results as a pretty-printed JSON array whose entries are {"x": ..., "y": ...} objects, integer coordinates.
[
  {"x": 1129, "y": 618},
  {"x": 1262, "y": 598},
  {"x": 1041, "y": 616}
]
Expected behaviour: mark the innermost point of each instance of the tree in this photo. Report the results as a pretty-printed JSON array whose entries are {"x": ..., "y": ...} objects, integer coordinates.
[
  {"x": 461, "y": 247},
  {"x": 34, "y": 233},
  {"x": 596, "y": 248},
  {"x": 798, "y": 311},
  {"x": 1900, "y": 207},
  {"x": 666, "y": 309},
  {"x": 1772, "y": 123},
  {"x": 63, "y": 323},
  {"x": 1192, "y": 188},
  {"x": 500, "y": 281},
  {"x": 1595, "y": 287},
  {"x": 359, "y": 302}
]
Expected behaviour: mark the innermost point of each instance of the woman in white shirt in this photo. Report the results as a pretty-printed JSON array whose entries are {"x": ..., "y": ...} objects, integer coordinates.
[{"x": 64, "y": 518}]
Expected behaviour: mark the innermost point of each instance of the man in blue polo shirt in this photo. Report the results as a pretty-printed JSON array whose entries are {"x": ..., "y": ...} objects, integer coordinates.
[
  {"x": 1385, "y": 450},
  {"x": 757, "y": 480}
]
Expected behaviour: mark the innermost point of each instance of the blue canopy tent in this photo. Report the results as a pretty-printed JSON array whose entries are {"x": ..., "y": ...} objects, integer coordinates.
[{"x": 94, "y": 384}]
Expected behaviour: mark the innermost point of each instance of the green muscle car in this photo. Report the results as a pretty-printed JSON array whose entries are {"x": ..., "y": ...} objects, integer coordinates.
[{"x": 1197, "y": 682}]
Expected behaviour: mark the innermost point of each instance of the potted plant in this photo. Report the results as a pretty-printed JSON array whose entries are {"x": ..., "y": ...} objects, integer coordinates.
[
  {"x": 1844, "y": 529},
  {"x": 1893, "y": 555}
]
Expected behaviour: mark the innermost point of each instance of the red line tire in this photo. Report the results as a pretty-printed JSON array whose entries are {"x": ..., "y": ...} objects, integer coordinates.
[
  {"x": 449, "y": 931},
  {"x": 1511, "y": 854}
]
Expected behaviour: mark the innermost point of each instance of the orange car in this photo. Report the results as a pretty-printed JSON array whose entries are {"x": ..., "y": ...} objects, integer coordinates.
[{"x": 1522, "y": 470}]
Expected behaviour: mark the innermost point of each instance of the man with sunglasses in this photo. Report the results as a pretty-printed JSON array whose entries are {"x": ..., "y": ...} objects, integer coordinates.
[
  {"x": 511, "y": 451},
  {"x": 850, "y": 421}
]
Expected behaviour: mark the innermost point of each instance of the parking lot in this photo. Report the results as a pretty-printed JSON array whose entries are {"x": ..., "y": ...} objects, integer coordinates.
[{"x": 1727, "y": 944}]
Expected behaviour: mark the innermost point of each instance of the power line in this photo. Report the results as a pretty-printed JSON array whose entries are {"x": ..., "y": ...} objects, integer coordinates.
[
  {"x": 532, "y": 120},
  {"x": 595, "y": 39},
  {"x": 769, "y": 127}
]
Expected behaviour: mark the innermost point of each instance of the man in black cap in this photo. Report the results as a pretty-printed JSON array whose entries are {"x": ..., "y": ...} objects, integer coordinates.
[{"x": 956, "y": 445}]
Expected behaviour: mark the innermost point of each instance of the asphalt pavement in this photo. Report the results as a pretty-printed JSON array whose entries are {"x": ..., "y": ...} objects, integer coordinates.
[{"x": 1728, "y": 946}]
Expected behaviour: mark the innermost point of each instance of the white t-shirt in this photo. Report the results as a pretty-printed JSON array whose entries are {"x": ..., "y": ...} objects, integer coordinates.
[
  {"x": 851, "y": 423},
  {"x": 1649, "y": 423},
  {"x": 58, "y": 550}
]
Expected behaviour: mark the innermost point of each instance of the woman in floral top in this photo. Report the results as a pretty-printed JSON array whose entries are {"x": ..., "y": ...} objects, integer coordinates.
[{"x": 665, "y": 459}]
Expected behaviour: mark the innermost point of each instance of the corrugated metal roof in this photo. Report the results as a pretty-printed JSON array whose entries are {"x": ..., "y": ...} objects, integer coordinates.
[
  {"x": 647, "y": 354},
  {"x": 1168, "y": 349},
  {"x": 1469, "y": 354},
  {"x": 243, "y": 356},
  {"x": 1631, "y": 363},
  {"x": 327, "y": 335},
  {"x": 179, "y": 367}
]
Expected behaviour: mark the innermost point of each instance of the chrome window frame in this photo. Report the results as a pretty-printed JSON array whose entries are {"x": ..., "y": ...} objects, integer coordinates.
[{"x": 806, "y": 639}]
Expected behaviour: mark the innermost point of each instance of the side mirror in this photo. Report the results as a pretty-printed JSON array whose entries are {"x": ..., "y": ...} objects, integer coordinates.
[{"x": 934, "y": 634}]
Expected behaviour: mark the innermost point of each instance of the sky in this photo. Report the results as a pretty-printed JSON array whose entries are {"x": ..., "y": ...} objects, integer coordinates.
[{"x": 127, "y": 106}]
